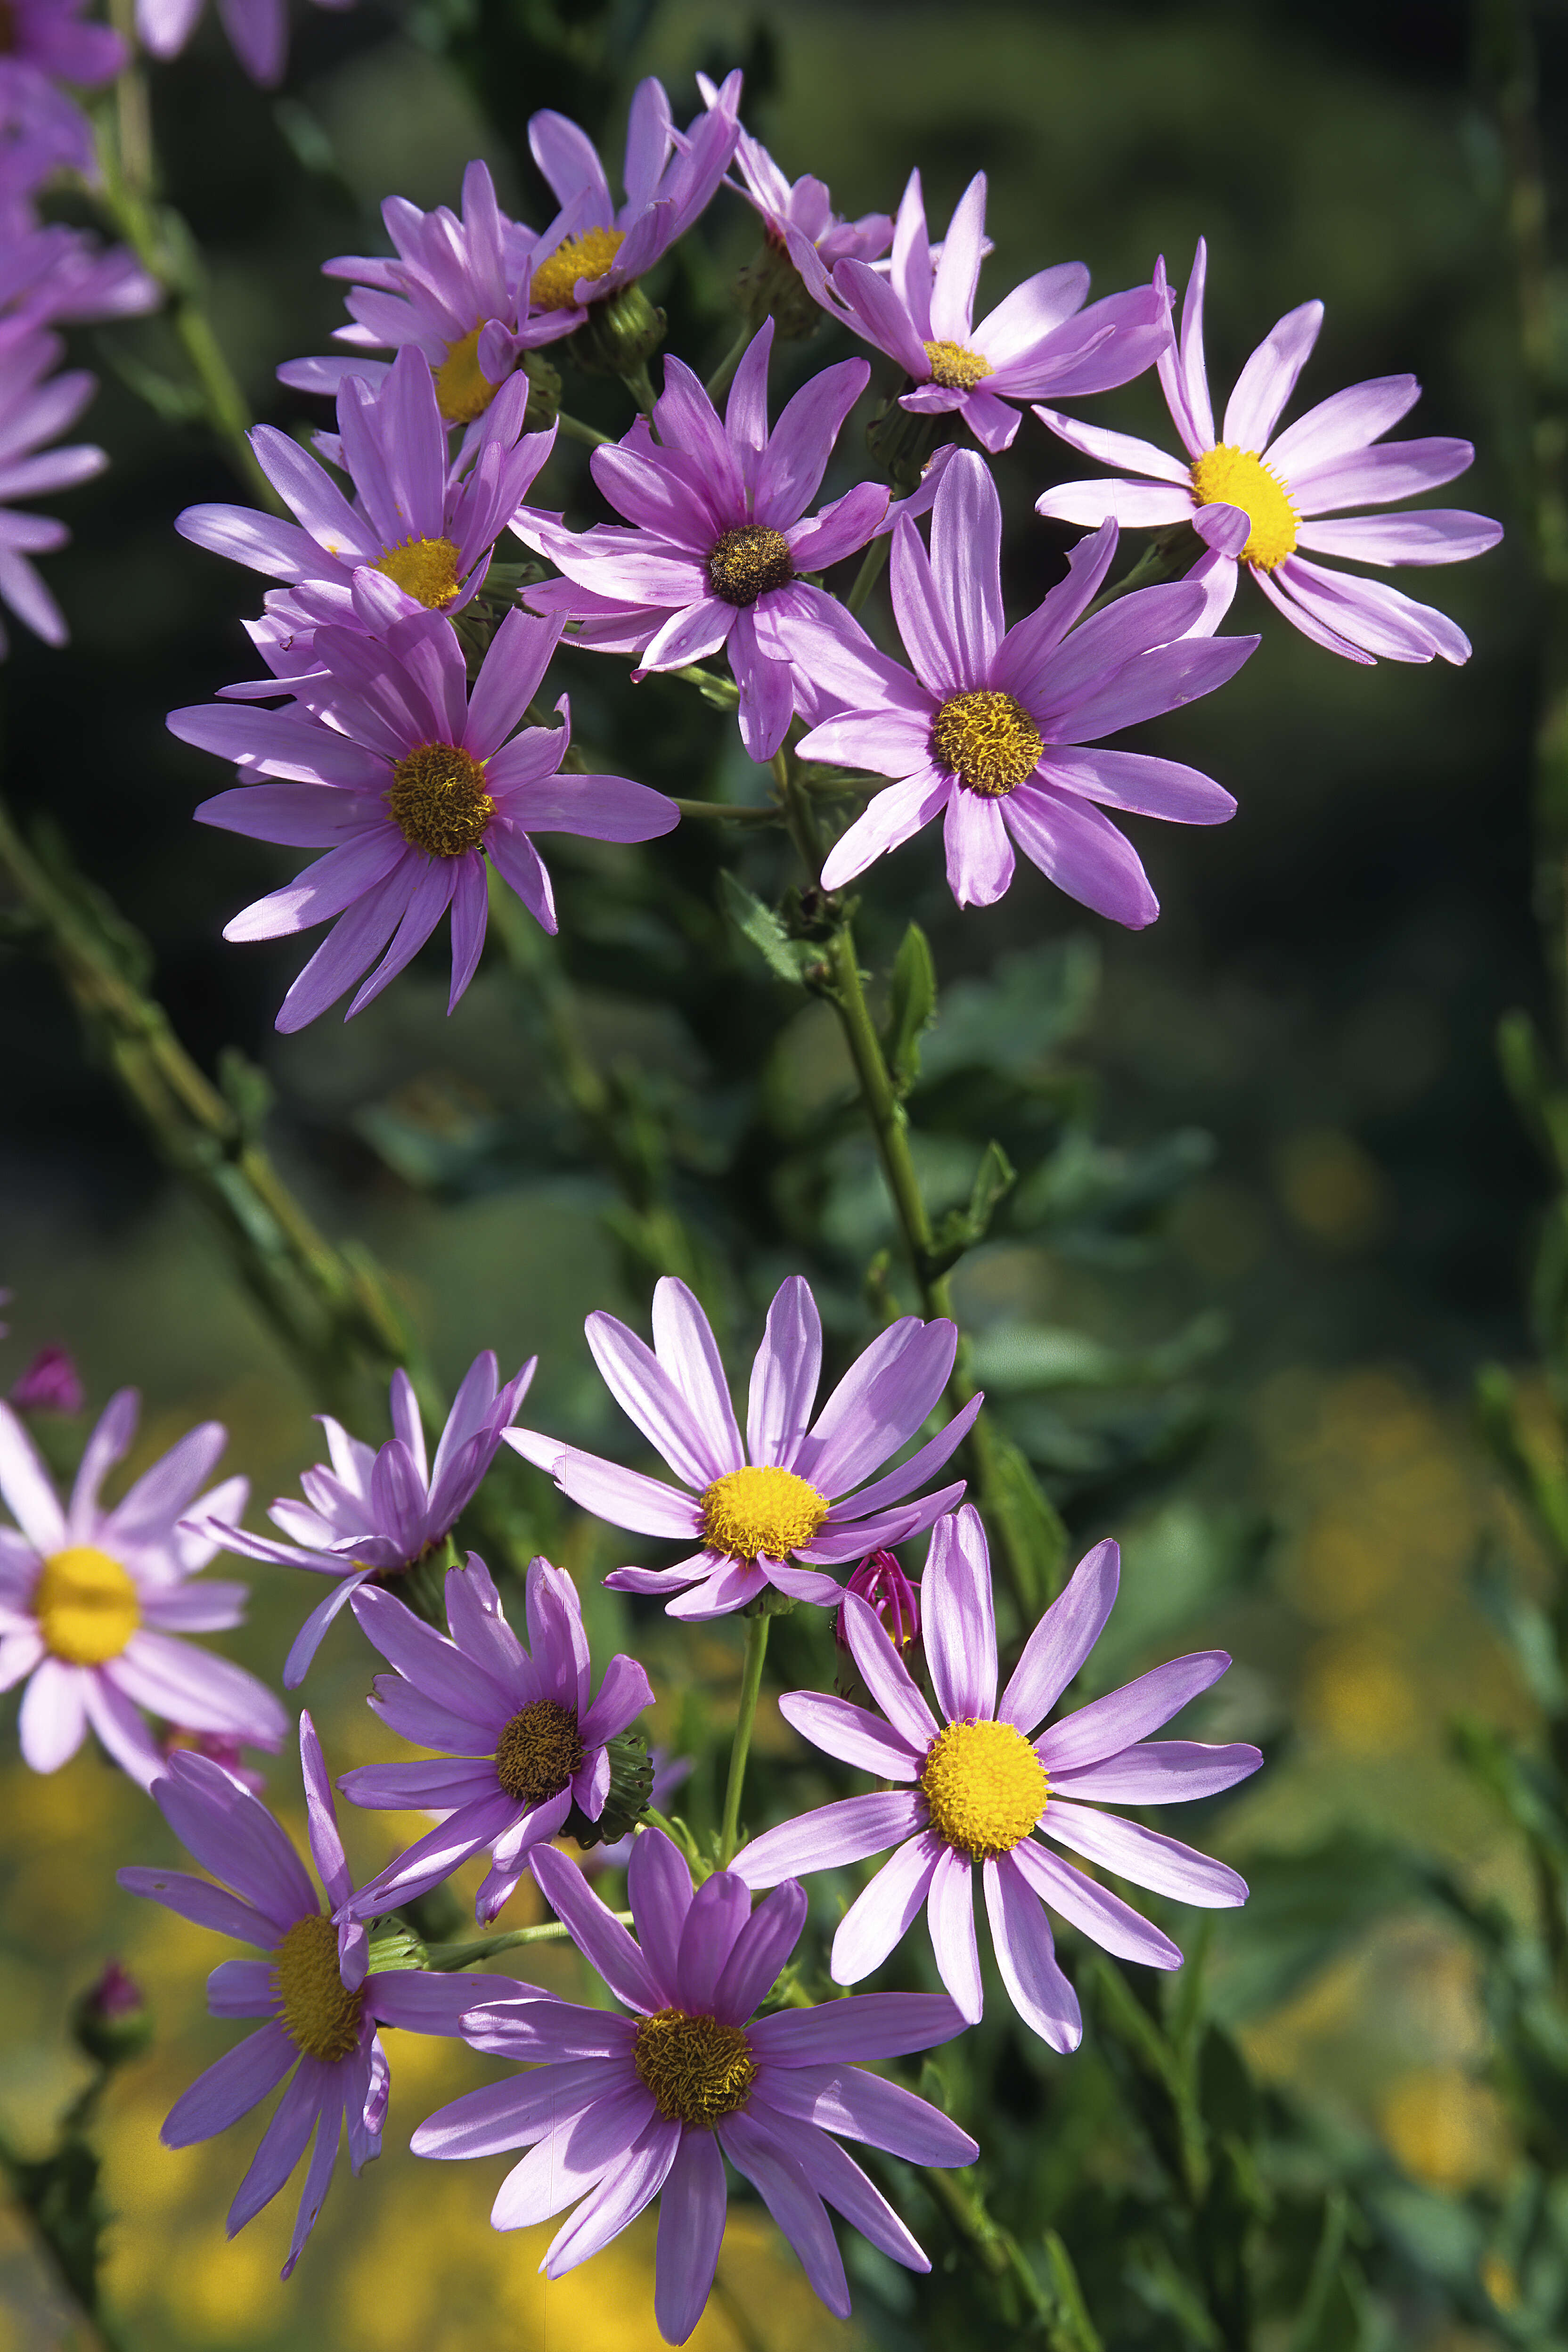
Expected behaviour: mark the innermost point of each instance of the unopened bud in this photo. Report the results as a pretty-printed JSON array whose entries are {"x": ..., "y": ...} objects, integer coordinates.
[
  {"x": 176, "y": 1739},
  {"x": 881, "y": 1581},
  {"x": 543, "y": 392},
  {"x": 631, "y": 1791},
  {"x": 393, "y": 1946},
  {"x": 51, "y": 1383},
  {"x": 619, "y": 335},
  {"x": 111, "y": 2022},
  {"x": 771, "y": 287}
]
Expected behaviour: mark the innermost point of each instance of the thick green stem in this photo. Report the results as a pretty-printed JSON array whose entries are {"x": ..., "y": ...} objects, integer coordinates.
[
  {"x": 443, "y": 1959},
  {"x": 574, "y": 429},
  {"x": 719, "y": 381},
  {"x": 741, "y": 1745},
  {"x": 870, "y": 572}
]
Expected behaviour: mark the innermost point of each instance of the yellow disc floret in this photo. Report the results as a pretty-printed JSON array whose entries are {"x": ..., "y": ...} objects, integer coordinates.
[
  {"x": 439, "y": 800},
  {"x": 697, "y": 2070},
  {"x": 320, "y": 2015},
  {"x": 987, "y": 740},
  {"x": 985, "y": 1786},
  {"x": 1229, "y": 477},
  {"x": 86, "y": 1605},
  {"x": 463, "y": 391},
  {"x": 426, "y": 569},
  {"x": 752, "y": 1514},
  {"x": 956, "y": 367},
  {"x": 554, "y": 284},
  {"x": 538, "y": 1752}
]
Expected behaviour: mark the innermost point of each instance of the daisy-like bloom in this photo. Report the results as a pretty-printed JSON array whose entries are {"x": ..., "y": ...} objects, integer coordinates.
[
  {"x": 1261, "y": 501},
  {"x": 377, "y": 1510},
  {"x": 719, "y": 535},
  {"x": 620, "y": 2108},
  {"x": 594, "y": 247},
  {"x": 410, "y": 783},
  {"x": 989, "y": 732},
  {"x": 33, "y": 407},
  {"x": 322, "y": 1999},
  {"x": 424, "y": 523},
  {"x": 257, "y": 31},
  {"x": 452, "y": 289},
  {"x": 973, "y": 1788},
  {"x": 48, "y": 38},
  {"x": 92, "y": 1601},
  {"x": 53, "y": 272},
  {"x": 1039, "y": 340},
  {"x": 526, "y": 1739},
  {"x": 782, "y": 1507}
]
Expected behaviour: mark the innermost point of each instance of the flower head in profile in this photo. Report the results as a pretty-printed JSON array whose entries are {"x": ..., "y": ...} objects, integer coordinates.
[
  {"x": 790, "y": 1501},
  {"x": 996, "y": 730},
  {"x": 619, "y": 2108},
  {"x": 94, "y": 1600},
  {"x": 1272, "y": 503},
  {"x": 594, "y": 246},
  {"x": 318, "y": 1992},
  {"x": 421, "y": 523},
  {"x": 375, "y": 1511},
  {"x": 413, "y": 784},
  {"x": 720, "y": 535},
  {"x": 257, "y": 31},
  {"x": 1039, "y": 340},
  {"x": 973, "y": 1788},
  {"x": 527, "y": 1742},
  {"x": 50, "y": 272},
  {"x": 35, "y": 406}
]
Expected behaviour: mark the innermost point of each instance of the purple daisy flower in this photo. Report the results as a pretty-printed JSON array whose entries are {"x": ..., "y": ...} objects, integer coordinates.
[
  {"x": 526, "y": 1739},
  {"x": 804, "y": 205},
  {"x": 424, "y": 523},
  {"x": 32, "y": 411},
  {"x": 720, "y": 537},
  {"x": 620, "y": 2108},
  {"x": 1039, "y": 340},
  {"x": 453, "y": 290},
  {"x": 376, "y": 1511},
  {"x": 54, "y": 272},
  {"x": 257, "y": 31},
  {"x": 1259, "y": 501},
  {"x": 40, "y": 133},
  {"x": 410, "y": 783},
  {"x": 592, "y": 247},
  {"x": 322, "y": 2001},
  {"x": 990, "y": 731},
  {"x": 781, "y": 1508},
  {"x": 92, "y": 1601},
  {"x": 976, "y": 1785}
]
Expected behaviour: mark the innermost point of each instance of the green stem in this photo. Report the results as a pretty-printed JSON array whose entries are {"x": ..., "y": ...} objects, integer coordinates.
[
  {"x": 574, "y": 429},
  {"x": 640, "y": 384},
  {"x": 721, "y": 813},
  {"x": 718, "y": 382},
  {"x": 1168, "y": 553},
  {"x": 442, "y": 1958},
  {"x": 741, "y": 1746},
  {"x": 998, "y": 2250},
  {"x": 870, "y": 572}
]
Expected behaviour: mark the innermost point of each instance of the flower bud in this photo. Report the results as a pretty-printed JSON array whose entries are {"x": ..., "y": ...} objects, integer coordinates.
[
  {"x": 543, "y": 392},
  {"x": 619, "y": 335},
  {"x": 175, "y": 1738},
  {"x": 111, "y": 2022},
  {"x": 51, "y": 1383},
  {"x": 631, "y": 1792},
  {"x": 880, "y": 1581},
  {"x": 771, "y": 287},
  {"x": 393, "y": 1945}
]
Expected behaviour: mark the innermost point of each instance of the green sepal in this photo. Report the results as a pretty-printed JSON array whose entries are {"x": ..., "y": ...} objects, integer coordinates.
[{"x": 631, "y": 1793}]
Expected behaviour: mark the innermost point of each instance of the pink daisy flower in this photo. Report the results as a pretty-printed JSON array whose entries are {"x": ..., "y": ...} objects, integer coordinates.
[
  {"x": 802, "y": 205},
  {"x": 1260, "y": 501},
  {"x": 527, "y": 1742},
  {"x": 972, "y": 1788},
  {"x": 618, "y": 2108},
  {"x": 413, "y": 784},
  {"x": 94, "y": 1600},
  {"x": 34, "y": 407},
  {"x": 789, "y": 1502},
  {"x": 997, "y": 730},
  {"x": 322, "y": 2001},
  {"x": 1039, "y": 340}
]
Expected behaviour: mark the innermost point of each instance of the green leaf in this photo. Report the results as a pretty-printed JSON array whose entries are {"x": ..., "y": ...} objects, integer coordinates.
[
  {"x": 785, "y": 958},
  {"x": 912, "y": 1008},
  {"x": 1036, "y": 1540},
  {"x": 1524, "y": 1629},
  {"x": 1019, "y": 1358},
  {"x": 1302, "y": 1909},
  {"x": 1072, "y": 2329},
  {"x": 960, "y": 1229}
]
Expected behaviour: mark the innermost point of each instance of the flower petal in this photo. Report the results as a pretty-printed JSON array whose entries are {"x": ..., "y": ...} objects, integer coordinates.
[
  {"x": 1063, "y": 1639},
  {"x": 883, "y": 1913},
  {"x": 1025, "y": 1956},
  {"x": 1147, "y": 1858},
  {"x": 846, "y": 1831},
  {"x": 960, "y": 1621},
  {"x": 1093, "y": 1909}
]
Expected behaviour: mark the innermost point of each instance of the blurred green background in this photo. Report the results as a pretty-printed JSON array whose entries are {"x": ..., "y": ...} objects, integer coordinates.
[{"x": 1318, "y": 999}]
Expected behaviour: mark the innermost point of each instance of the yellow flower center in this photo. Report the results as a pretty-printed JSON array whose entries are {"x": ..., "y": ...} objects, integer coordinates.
[
  {"x": 987, "y": 740},
  {"x": 770, "y": 1512},
  {"x": 85, "y": 1606},
  {"x": 985, "y": 1786},
  {"x": 426, "y": 569},
  {"x": 554, "y": 286},
  {"x": 538, "y": 1752},
  {"x": 437, "y": 798},
  {"x": 320, "y": 2015},
  {"x": 956, "y": 367},
  {"x": 746, "y": 562},
  {"x": 697, "y": 2070},
  {"x": 463, "y": 391},
  {"x": 1229, "y": 477}
]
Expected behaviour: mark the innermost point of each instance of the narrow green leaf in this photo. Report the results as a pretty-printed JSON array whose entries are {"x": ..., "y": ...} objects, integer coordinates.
[
  {"x": 912, "y": 1008},
  {"x": 785, "y": 958}
]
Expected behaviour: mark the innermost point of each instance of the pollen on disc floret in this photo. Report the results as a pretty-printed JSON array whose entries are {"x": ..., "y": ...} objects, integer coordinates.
[
  {"x": 320, "y": 2014},
  {"x": 745, "y": 562},
  {"x": 539, "y": 1751},
  {"x": 463, "y": 391},
  {"x": 426, "y": 569},
  {"x": 957, "y": 368},
  {"x": 1231, "y": 477},
  {"x": 987, "y": 740},
  {"x": 555, "y": 283},
  {"x": 697, "y": 2070},
  {"x": 985, "y": 1786},
  {"x": 438, "y": 801},
  {"x": 754, "y": 1513},
  {"x": 85, "y": 1606}
]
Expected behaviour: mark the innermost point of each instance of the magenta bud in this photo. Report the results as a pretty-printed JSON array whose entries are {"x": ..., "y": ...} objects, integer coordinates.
[
  {"x": 880, "y": 1581},
  {"x": 51, "y": 1383},
  {"x": 110, "y": 2021},
  {"x": 176, "y": 1739}
]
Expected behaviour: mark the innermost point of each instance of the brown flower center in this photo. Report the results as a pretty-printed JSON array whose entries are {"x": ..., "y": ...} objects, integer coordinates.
[
  {"x": 438, "y": 799},
  {"x": 539, "y": 1751},
  {"x": 987, "y": 740},
  {"x": 747, "y": 561},
  {"x": 320, "y": 2014},
  {"x": 697, "y": 2070}
]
